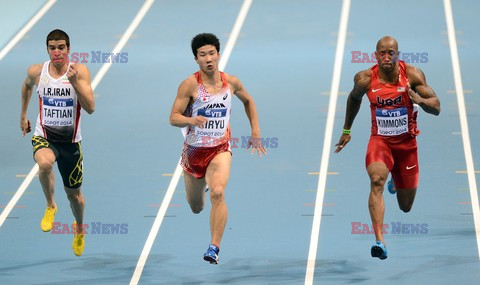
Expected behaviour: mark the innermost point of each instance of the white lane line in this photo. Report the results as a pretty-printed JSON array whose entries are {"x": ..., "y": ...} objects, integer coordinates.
[
  {"x": 3, "y": 53},
  {"x": 26, "y": 28},
  {"x": 234, "y": 34},
  {"x": 95, "y": 82},
  {"x": 123, "y": 40},
  {"x": 18, "y": 194},
  {"x": 178, "y": 170},
  {"x": 322, "y": 179},
  {"x": 156, "y": 225},
  {"x": 463, "y": 119}
]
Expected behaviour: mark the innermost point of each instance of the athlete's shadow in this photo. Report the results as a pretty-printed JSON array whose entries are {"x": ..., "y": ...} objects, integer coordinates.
[
  {"x": 106, "y": 268},
  {"x": 264, "y": 271}
]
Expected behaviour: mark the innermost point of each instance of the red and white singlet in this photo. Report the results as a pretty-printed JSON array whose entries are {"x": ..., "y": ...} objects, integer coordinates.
[{"x": 216, "y": 108}]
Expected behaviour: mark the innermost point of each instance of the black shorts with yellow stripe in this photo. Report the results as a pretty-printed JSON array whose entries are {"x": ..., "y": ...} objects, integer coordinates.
[{"x": 69, "y": 158}]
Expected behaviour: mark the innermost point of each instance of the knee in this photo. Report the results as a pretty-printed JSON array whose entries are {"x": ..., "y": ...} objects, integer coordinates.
[
  {"x": 196, "y": 209},
  {"x": 377, "y": 182},
  {"x": 406, "y": 208},
  {"x": 195, "y": 205},
  {"x": 217, "y": 194},
  {"x": 45, "y": 165},
  {"x": 74, "y": 195}
]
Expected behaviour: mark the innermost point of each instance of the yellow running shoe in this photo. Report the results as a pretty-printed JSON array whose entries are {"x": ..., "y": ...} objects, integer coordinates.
[
  {"x": 48, "y": 219},
  {"x": 78, "y": 241}
]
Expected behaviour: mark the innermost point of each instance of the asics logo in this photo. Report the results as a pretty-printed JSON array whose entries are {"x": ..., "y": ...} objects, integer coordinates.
[
  {"x": 410, "y": 167},
  {"x": 225, "y": 97},
  {"x": 375, "y": 90}
]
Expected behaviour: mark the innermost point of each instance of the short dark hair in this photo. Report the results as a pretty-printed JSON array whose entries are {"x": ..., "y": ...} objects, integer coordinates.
[
  {"x": 204, "y": 39},
  {"x": 57, "y": 35}
]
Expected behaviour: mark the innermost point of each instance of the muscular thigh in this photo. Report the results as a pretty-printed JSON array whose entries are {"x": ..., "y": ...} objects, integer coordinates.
[
  {"x": 193, "y": 185},
  {"x": 43, "y": 151},
  {"x": 406, "y": 169},
  {"x": 378, "y": 150},
  {"x": 70, "y": 164},
  {"x": 218, "y": 171}
]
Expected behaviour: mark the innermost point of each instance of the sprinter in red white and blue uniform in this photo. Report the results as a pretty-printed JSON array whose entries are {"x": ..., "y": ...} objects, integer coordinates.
[{"x": 395, "y": 90}]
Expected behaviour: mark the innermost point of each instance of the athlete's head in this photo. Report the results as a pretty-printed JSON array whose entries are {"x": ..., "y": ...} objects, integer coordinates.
[
  {"x": 206, "y": 48},
  {"x": 387, "y": 53},
  {"x": 57, "y": 35},
  {"x": 204, "y": 39},
  {"x": 58, "y": 46}
]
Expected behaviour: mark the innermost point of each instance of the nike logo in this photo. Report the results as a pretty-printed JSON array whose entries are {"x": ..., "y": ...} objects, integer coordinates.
[
  {"x": 410, "y": 167},
  {"x": 225, "y": 97},
  {"x": 375, "y": 90}
]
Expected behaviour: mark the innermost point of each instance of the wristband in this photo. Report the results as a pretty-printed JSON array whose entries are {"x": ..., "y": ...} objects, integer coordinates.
[{"x": 346, "y": 132}]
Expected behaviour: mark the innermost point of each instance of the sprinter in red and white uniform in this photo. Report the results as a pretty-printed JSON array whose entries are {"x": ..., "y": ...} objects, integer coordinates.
[
  {"x": 63, "y": 90},
  {"x": 202, "y": 107},
  {"x": 395, "y": 90},
  {"x": 203, "y": 143}
]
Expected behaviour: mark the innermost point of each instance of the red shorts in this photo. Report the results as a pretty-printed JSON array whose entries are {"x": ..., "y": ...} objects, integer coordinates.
[
  {"x": 400, "y": 157},
  {"x": 195, "y": 160}
]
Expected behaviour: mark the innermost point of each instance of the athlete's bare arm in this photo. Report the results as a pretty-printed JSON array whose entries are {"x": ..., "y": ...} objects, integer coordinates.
[
  {"x": 419, "y": 91},
  {"x": 360, "y": 87},
  {"x": 251, "y": 110},
  {"x": 79, "y": 76},
  {"x": 33, "y": 75},
  {"x": 185, "y": 96}
]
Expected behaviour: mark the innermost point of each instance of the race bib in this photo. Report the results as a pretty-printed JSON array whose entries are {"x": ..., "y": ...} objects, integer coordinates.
[
  {"x": 57, "y": 111},
  {"x": 213, "y": 132},
  {"x": 215, "y": 126},
  {"x": 392, "y": 122}
]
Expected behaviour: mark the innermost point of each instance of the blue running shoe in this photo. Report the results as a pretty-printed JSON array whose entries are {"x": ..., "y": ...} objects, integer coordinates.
[
  {"x": 391, "y": 187},
  {"x": 379, "y": 250},
  {"x": 212, "y": 254}
]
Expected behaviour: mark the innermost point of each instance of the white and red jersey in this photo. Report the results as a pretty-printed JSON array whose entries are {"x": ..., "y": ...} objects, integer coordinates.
[
  {"x": 216, "y": 108},
  {"x": 394, "y": 116},
  {"x": 59, "y": 114}
]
